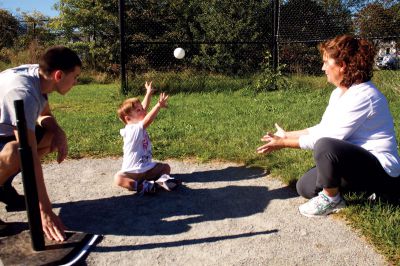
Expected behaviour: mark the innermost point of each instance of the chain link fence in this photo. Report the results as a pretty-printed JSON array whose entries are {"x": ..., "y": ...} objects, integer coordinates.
[
  {"x": 237, "y": 39},
  {"x": 301, "y": 32},
  {"x": 243, "y": 43}
]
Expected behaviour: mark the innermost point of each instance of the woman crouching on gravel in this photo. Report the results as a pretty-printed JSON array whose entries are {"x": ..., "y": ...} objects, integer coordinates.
[{"x": 354, "y": 145}]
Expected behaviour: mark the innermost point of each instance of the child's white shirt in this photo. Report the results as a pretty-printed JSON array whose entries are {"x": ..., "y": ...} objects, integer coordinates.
[{"x": 137, "y": 149}]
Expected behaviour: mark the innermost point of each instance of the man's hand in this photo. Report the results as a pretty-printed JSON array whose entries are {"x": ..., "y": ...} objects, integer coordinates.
[
  {"x": 162, "y": 101},
  {"x": 149, "y": 88},
  {"x": 59, "y": 144},
  {"x": 52, "y": 226}
]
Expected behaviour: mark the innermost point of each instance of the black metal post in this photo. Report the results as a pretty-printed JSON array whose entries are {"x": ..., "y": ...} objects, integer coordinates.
[
  {"x": 275, "y": 46},
  {"x": 124, "y": 88},
  {"x": 29, "y": 180}
]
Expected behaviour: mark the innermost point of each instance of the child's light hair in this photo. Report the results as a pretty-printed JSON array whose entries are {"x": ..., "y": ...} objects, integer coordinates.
[{"x": 126, "y": 107}]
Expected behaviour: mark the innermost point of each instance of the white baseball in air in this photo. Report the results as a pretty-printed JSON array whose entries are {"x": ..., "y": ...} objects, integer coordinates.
[{"x": 179, "y": 53}]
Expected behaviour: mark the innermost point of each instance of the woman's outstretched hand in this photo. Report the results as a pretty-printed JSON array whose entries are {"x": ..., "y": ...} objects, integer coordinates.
[
  {"x": 273, "y": 141},
  {"x": 280, "y": 132}
]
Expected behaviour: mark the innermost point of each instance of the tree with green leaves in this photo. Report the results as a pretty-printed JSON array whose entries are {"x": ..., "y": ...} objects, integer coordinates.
[
  {"x": 218, "y": 35},
  {"x": 91, "y": 28},
  {"x": 309, "y": 20},
  {"x": 34, "y": 28},
  {"x": 9, "y": 29},
  {"x": 305, "y": 23},
  {"x": 379, "y": 20},
  {"x": 169, "y": 22},
  {"x": 240, "y": 31}
]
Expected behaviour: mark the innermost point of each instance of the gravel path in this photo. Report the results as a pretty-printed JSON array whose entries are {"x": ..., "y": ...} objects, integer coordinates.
[{"x": 224, "y": 214}]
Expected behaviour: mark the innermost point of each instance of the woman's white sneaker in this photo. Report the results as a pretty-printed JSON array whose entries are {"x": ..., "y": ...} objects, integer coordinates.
[{"x": 321, "y": 205}]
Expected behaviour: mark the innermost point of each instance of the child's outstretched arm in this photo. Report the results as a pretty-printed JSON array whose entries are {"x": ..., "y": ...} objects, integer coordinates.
[
  {"x": 147, "y": 97},
  {"x": 162, "y": 103}
]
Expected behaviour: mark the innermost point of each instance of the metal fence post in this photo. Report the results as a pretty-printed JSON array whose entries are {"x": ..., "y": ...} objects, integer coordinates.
[
  {"x": 275, "y": 47},
  {"x": 124, "y": 89}
]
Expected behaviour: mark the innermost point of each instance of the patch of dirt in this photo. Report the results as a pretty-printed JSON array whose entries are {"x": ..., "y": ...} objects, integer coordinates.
[{"x": 224, "y": 214}]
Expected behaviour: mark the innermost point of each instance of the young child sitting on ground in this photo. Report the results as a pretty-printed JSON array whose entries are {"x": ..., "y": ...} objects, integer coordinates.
[{"x": 138, "y": 170}]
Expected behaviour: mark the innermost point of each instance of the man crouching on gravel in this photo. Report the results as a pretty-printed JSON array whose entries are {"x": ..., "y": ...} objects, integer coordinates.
[{"x": 58, "y": 70}]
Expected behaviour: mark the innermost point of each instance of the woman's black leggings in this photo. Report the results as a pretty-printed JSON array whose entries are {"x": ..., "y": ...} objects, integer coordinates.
[{"x": 340, "y": 164}]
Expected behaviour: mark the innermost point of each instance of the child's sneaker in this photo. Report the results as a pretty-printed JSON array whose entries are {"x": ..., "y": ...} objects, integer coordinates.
[
  {"x": 321, "y": 205},
  {"x": 147, "y": 187},
  {"x": 168, "y": 183}
]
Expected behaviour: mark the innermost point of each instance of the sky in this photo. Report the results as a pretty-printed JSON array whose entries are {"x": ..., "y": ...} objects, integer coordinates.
[{"x": 43, "y": 6}]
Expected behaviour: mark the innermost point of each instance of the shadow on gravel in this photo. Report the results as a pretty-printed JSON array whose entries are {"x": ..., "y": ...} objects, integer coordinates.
[
  {"x": 13, "y": 228},
  {"x": 185, "y": 242},
  {"x": 228, "y": 174},
  {"x": 169, "y": 213}
]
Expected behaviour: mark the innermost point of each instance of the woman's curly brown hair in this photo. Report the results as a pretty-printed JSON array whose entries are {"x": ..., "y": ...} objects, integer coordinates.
[{"x": 357, "y": 55}]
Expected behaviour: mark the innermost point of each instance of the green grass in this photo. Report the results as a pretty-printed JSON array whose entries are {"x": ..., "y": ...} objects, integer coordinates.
[
  {"x": 380, "y": 223},
  {"x": 227, "y": 125},
  {"x": 187, "y": 81}
]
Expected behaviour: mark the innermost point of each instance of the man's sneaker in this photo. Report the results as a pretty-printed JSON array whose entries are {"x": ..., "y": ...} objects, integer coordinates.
[
  {"x": 147, "y": 187},
  {"x": 168, "y": 183},
  {"x": 14, "y": 201},
  {"x": 321, "y": 205}
]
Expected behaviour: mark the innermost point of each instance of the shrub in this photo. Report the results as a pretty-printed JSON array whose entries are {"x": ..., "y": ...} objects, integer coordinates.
[
  {"x": 269, "y": 79},
  {"x": 186, "y": 81}
]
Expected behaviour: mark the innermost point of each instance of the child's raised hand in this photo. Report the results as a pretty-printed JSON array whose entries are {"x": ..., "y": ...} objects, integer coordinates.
[
  {"x": 149, "y": 88},
  {"x": 162, "y": 101}
]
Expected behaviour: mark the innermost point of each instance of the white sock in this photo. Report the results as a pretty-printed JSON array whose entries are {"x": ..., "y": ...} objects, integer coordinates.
[{"x": 335, "y": 198}]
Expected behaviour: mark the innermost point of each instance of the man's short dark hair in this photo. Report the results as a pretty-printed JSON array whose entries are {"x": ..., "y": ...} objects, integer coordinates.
[{"x": 59, "y": 58}]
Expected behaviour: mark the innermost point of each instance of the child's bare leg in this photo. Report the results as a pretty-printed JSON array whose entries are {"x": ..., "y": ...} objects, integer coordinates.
[
  {"x": 157, "y": 171},
  {"x": 128, "y": 180},
  {"x": 131, "y": 181}
]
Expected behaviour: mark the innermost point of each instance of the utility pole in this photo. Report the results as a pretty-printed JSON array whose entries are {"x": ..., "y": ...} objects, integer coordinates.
[
  {"x": 124, "y": 88},
  {"x": 275, "y": 46}
]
